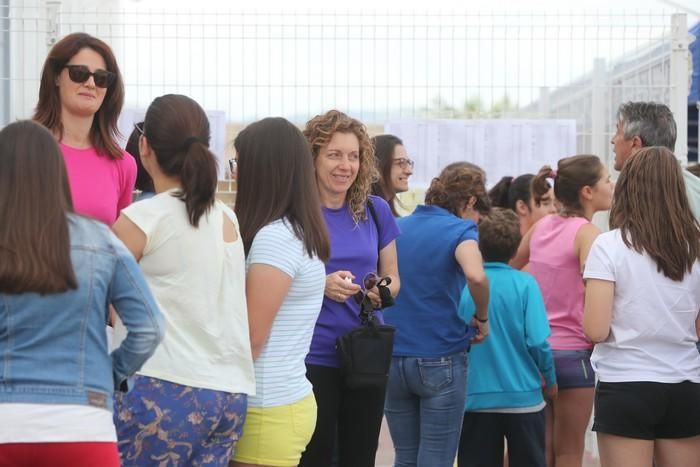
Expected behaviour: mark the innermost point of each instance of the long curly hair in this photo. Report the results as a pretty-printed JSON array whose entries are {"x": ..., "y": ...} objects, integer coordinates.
[{"x": 319, "y": 131}]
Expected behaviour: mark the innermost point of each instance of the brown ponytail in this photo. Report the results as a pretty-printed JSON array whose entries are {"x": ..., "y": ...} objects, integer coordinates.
[
  {"x": 539, "y": 186},
  {"x": 499, "y": 193},
  {"x": 177, "y": 129},
  {"x": 198, "y": 177},
  {"x": 572, "y": 174}
]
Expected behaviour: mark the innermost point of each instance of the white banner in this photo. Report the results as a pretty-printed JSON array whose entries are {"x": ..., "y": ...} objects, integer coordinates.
[{"x": 500, "y": 147}]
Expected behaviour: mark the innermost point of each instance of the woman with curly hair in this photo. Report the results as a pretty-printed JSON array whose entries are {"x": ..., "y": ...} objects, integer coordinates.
[
  {"x": 362, "y": 233},
  {"x": 439, "y": 255}
]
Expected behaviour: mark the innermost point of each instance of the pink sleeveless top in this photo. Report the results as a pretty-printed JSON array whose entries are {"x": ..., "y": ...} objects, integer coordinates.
[{"x": 556, "y": 268}]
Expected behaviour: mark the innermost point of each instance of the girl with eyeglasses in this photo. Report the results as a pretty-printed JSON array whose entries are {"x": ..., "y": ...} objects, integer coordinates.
[
  {"x": 395, "y": 168},
  {"x": 188, "y": 403},
  {"x": 343, "y": 159},
  {"x": 80, "y": 98}
]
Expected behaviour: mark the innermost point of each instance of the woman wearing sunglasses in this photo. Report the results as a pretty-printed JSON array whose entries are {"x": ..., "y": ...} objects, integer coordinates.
[
  {"x": 285, "y": 239},
  {"x": 345, "y": 169},
  {"x": 438, "y": 254},
  {"x": 188, "y": 403},
  {"x": 80, "y": 98},
  {"x": 394, "y": 169}
]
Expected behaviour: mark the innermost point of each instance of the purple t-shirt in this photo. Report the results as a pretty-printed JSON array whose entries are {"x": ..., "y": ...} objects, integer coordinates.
[{"x": 354, "y": 249}]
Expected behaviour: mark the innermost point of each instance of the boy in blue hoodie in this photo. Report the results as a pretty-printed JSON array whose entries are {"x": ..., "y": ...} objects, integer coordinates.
[{"x": 504, "y": 383}]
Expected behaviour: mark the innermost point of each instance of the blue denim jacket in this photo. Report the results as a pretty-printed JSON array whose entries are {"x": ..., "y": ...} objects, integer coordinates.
[{"x": 53, "y": 347}]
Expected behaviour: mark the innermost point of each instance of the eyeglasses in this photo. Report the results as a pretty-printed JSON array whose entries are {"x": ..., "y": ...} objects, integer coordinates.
[
  {"x": 139, "y": 128},
  {"x": 404, "y": 163},
  {"x": 81, "y": 73}
]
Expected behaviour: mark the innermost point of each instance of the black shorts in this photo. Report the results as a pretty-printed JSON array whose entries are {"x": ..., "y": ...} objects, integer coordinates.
[{"x": 647, "y": 410}]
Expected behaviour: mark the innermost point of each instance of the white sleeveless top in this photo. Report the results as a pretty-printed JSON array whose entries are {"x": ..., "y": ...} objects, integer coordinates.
[{"x": 199, "y": 283}]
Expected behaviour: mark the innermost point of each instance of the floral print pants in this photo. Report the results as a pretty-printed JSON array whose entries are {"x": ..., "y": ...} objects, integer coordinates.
[{"x": 165, "y": 424}]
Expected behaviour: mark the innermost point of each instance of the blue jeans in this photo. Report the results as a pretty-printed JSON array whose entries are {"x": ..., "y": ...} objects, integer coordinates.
[{"x": 424, "y": 408}]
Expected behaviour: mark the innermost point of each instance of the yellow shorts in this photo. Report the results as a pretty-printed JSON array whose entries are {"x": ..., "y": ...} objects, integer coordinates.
[{"x": 277, "y": 435}]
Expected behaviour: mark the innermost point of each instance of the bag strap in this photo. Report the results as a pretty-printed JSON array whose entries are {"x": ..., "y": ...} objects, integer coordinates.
[
  {"x": 373, "y": 213},
  {"x": 384, "y": 293},
  {"x": 366, "y": 307}
]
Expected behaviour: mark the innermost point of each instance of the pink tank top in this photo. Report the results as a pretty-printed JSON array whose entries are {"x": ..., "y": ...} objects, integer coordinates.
[{"x": 555, "y": 265}]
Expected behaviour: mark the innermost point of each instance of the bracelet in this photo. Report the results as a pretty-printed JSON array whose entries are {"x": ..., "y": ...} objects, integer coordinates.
[{"x": 485, "y": 320}]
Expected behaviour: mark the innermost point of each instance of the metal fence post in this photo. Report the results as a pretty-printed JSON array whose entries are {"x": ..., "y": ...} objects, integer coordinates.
[
  {"x": 599, "y": 143},
  {"x": 53, "y": 9},
  {"x": 679, "y": 85},
  {"x": 543, "y": 104},
  {"x": 4, "y": 63},
  {"x": 697, "y": 151}
]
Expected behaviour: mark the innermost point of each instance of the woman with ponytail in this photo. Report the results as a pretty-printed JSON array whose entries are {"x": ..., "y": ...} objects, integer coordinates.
[
  {"x": 188, "y": 403},
  {"x": 556, "y": 248},
  {"x": 515, "y": 194}
]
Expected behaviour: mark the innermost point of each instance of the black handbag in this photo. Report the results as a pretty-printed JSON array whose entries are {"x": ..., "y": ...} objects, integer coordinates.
[{"x": 365, "y": 352}]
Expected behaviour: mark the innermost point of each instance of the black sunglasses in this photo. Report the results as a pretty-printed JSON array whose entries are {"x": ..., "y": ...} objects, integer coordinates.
[
  {"x": 370, "y": 281},
  {"x": 81, "y": 73}
]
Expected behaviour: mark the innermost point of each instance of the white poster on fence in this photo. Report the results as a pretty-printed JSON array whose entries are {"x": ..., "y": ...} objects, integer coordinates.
[
  {"x": 500, "y": 147},
  {"x": 217, "y": 128}
]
